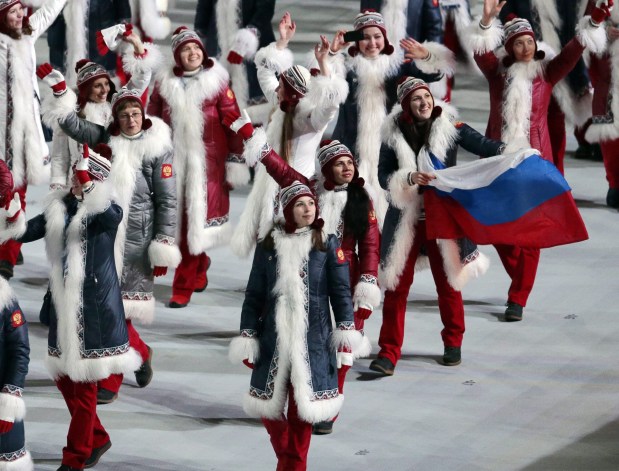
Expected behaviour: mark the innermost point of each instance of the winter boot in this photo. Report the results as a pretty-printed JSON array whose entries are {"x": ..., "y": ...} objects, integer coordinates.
[
  {"x": 612, "y": 198},
  {"x": 96, "y": 455},
  {"x": 513, "y": 313},
  {"x": 382, "y": 365},
  {"x": 322, "y": 428},
  {"x": 452, "y": 356},
  {"x": 144, "y": 375}
]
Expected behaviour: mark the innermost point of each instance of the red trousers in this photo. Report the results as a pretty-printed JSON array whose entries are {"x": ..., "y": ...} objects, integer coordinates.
[
  {"x": 610, "y": 153},
  {"x": 521, "y": 265},
  {"x": 556, "y": 129},
  {"x": 290, "y": 437},
  {"x": 113, "y": 382},
  {"x": 394, "y": 305},
  {"x": 85, "y": 430},
  {"x": 191, "y": 272},
  {"x": 10, "y": 249}
]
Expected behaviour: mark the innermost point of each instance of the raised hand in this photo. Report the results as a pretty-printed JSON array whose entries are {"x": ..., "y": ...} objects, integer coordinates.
[
  {"x": 601, "y": 11},
  {"x": 321, "y": 49},
  {"x": 491, "y": 10},
  {"x": 338, "y": 41},
  {"x": 53, "y": 78},
  {"x": 287, "y": 29},
  {"x": 413, "y": 50}
]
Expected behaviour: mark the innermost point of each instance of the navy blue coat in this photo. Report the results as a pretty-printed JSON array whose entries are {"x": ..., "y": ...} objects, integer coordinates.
[
  {"x": 325, "y": 282},
  {"x": 102, "y": 315}
]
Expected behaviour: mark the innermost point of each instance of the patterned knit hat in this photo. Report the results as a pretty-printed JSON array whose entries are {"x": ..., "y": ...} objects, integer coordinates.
[
  {"x": 514, "y": 28},
  {"x": 181, "y": 36},
  {"x": 367, "y": 19},
  {"x": 328, "y": 154},
  {"x": 5, "y": 6},
  {"x": 99, "y": 164},
  {"x": 288, "y": 196},
  {"x": 87, "y": 72},
  {"x": 123, "y": 95},
  {"x": 298, "y": 78},
  {"x": 407, "y": 86}
]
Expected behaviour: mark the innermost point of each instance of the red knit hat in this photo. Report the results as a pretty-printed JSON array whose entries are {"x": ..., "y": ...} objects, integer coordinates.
[
  {"x": 328, "y": 154},
  {"x": 181, "y": 36},
  {"x": 87, "y": 72},
  {"x": 288, "y": 196},
  {"x": 367, "y": 19}
]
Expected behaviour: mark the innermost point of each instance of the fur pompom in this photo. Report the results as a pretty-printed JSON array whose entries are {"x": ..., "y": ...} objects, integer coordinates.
[{"x": 244, "y": 348}]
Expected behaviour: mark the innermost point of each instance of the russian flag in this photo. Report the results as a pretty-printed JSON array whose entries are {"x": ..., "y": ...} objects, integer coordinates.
[{"x": 513, "y": 199}]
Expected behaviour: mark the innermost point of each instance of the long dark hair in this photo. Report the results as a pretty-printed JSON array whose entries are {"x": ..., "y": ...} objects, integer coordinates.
[
  {"x": 356, "y": 210},
  {"x": 286, "y": 141}
]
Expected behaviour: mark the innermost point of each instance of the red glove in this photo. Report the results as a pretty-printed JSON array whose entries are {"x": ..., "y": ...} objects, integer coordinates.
[
  {"x": 160, "y": 271},
  {"x": 601, "y": 11},
  {"x": 81, "y": 169},
  {"x": 362, "y": 313},
  {"x": 234, "y": 57},
  {"x": 52, "y": 78},
  {"x": 239, "y": 124},
  {"x": 248, "y": 364},
  {"x": 5, "y": 426}
]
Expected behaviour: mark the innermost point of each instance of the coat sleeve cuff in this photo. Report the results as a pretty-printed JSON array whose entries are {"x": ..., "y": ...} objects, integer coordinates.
[
  {"x": 346, "y": 337},
  {"x": 325, "y": 92},
  {"x": 144, "y": 64},
  {"x": 366, "y": 292},
  {"x": 276, "y": 60},
  {"x": 12, "y": 406},
  {"x": 244, "y": 347},
  {"x": 163, "y": 252},
  {"x": 12, "y": 230},
  {"x": 55, "y": 109},
  {"x": 441, "y": 60},
  {"x": 98, "y": 198},
  {"x": 592, "y": 37},
  {"x": 246, "y": 42},
  {"x": 256, "y": 147},
  {"x": 237, "y": 172},
  {"x": 400, "y": 191},
  {"x": 482, "y": 40}
]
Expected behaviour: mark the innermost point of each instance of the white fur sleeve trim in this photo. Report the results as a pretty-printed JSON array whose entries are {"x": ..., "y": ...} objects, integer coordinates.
[
  {"x": 346, "y": 339},
  {"x": 441, "y": 60},
  {"x": 163, "y": 255},
  {"x": 366, "y": 293},
  {"x": 244, "y": 348},
  {"x": 237, "y": 174},
  {"x": 143, "y": 65},
  {"x": 246, "y": 43},
  {"x": 15, "y": 230},
  {"x": 401, "y": 192},
  {"x": 97, "y": 199},
  {"x": 591, "y": 37},
  {"x": 276, "y": 60},
  {"x": 12, "y": 408},
  {"x": 252, "y": 152},
  {"x": 327, "y": 91},
  {"x": 364, "y": 350},
  {"x": 481, "y": 40},
  {"x": 153, "y": 24},
  {"x": 55, "y": 109}
]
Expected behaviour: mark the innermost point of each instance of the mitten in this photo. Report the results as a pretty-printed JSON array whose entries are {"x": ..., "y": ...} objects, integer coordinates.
[
  {"x": 81, "y": 169},
  {"x": 240, "y": 124},
  {"x": 160, "y": 271},
  {"x": 363, "y": 313},
  {"x": 53, "y": 78},
  {"x": 344, "y": 357},
  {"x": 5, "y": 426},
  {"x": 234, "y": 57},
  {"x": 248, "y": 364},
  {"x": 245, "y": 45},
  {"x": 601, "y": 11},
  {"x": 108, "y": 39}
]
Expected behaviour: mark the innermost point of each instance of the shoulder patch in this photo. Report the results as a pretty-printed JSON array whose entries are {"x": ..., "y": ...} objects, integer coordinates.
[
  {"x": 230, "y": 94},
  {"x": 17, "y": 319},
  {"x": 458, "y": 124},
  {"x": 166, "y": 170},
  {"x": 340, "y": 255}
]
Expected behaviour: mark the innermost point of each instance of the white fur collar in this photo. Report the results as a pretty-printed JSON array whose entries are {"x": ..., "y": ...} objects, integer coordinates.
[
  {"x": 188, "y": 91},
  {"x": 98, "y": 113}
]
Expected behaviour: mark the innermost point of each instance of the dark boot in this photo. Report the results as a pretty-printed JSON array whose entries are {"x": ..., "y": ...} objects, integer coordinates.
[
  {"x": 383, "y": 365},
  {"x": 65, "y": 467},
  {"x": 612, "y": 198},
  {"x": 452, "y": 356},
  {"x": 513, "y": 313},
  {"x": 6, "y": 270},
  {"x": 144, "y": 375},
  {"x": 96, "y": 455},
  {"x": 20, "y": 259},
  {"x": 322, "y": 428},
  {"x": 105, "y": 396}
]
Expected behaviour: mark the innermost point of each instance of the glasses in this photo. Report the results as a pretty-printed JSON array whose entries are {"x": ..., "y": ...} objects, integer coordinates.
[{"x": 132, "y": 116}]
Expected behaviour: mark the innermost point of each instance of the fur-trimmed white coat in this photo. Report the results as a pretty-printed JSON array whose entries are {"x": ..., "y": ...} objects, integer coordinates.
[
  {"x": 311, "y": 117},
  {"x": 207, "y": 154},
  {"x": 286, "y": 327},
  {"x": 462, "y": 261},
  {"x": 22, "y": 144}
]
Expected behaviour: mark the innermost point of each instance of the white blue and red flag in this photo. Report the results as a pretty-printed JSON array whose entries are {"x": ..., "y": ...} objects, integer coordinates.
[{"x": 514, "y": 199}]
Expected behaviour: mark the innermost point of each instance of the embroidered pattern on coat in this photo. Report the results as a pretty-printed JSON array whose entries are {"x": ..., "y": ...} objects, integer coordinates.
[
  {"x": 270, "y": 384},
  {"x": 8, "y": 150},
  {"x": 106, "y": 352},
  {"x": 235, "y": 158},
  {"x": 12, "y": 390},
  {"x": 249, "y": 333},
  {"x": 471, "y": 257},
  {"x": 371, "y": 279},
  {"x": 13, "y": 455},
  {"x": 164, "y": 239},
  {"x": 137, "y": 295},
  {"x": 214, "y": 222},
  {"x": 609, "y": 117}
]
